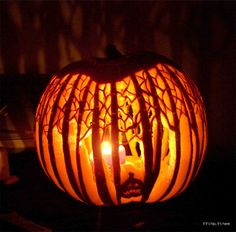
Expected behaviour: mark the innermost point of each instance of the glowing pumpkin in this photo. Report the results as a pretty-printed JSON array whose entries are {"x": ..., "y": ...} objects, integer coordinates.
[{"x": 113, "y": 131}]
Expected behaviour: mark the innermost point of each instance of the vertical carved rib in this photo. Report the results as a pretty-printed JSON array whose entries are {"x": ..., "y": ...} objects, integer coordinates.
[
  {"x": 78, "y": 162},
  {"x": 97, "y": 154},
  {"x": 177, "y": 136},
  {"x": 115, "y": 140},
  {"x": 147, "y": 140},
  {"x": 66, "y": 149},
  {"x": 157, "y": 164},
  {"x": 51, "y": 125},
  {"x": 193, "y": 122},
  {"x": 42, "y": 111}
]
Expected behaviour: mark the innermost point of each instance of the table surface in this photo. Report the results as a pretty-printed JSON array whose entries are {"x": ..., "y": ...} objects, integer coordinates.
[{"x": 207, "y": 204}]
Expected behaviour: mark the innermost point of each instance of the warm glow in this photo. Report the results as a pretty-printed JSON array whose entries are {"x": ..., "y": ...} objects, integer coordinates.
[
  {"x": 141, "y": 137},
  {"x": 107, "y": 153},
  {"x": 106, "y": 149}
]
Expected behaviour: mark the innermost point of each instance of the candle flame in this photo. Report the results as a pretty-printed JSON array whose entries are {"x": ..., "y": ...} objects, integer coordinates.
[
  {"x": 107, "y": 153},
  {"x": 106, "y": 148}
]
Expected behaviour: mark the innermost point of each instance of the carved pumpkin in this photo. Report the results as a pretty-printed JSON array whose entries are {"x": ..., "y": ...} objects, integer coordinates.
[{"x": 113, "y": 131}]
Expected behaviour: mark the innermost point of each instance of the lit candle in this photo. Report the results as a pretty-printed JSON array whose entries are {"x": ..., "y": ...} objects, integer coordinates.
[{"x": 107, "y": 153}]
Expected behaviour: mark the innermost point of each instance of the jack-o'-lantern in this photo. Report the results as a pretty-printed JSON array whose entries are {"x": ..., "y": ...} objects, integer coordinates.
[{"x": 128, "y": 129}]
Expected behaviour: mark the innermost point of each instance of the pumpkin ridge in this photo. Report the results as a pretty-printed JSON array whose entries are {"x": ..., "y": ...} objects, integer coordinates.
[
  {"x": 78, "y": 162},
  {"x": 147, "y": 141},
  {"x": 43, "y": 110},
  {"x": 193, "y": 125},
  {"x": 98, "y": 166},
  {"x": 115, "y": 141},
  {"x": 193, "y": 117},
  {"x": 50, "y": 138},
  {"x": 177, "y": 134},
  {"x": 66, "y": 150},
  {"x": 160, "y": 131}
]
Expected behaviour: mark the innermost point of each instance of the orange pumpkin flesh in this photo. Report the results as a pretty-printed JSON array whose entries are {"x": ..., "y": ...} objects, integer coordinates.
[{"x": 110, "y": 132}]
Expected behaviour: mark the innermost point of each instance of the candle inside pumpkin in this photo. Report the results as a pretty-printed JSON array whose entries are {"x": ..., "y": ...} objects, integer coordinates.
[{"x": 107, "y": 153}]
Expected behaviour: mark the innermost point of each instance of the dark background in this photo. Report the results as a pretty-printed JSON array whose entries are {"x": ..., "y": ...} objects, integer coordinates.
[{"x": 37, "y": 38}]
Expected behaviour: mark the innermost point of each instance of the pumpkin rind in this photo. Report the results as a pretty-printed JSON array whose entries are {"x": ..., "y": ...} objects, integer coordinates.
[{"x": 143, "y": 103}]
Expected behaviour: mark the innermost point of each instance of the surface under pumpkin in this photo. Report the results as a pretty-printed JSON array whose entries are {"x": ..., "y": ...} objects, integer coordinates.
[{"x": 114, "y": 131}]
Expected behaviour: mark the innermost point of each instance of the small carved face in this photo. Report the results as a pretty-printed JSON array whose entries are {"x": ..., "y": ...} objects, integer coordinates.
[{"x": 132, "y": 187}]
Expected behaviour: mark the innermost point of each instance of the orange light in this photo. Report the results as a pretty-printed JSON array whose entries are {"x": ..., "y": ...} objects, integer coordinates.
[
  {"x": 107, "y": 153},
  {"x": 110, "y": 132}
]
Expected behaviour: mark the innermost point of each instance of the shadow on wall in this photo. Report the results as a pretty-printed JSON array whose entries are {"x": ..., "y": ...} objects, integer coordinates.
[{"x": 43, "y": 36}]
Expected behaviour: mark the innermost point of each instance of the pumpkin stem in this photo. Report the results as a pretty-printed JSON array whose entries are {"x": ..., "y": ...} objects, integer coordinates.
[{"x": 112, "y": 52}]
